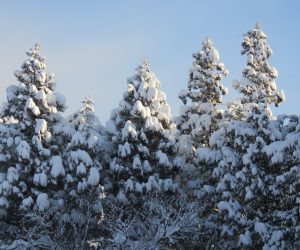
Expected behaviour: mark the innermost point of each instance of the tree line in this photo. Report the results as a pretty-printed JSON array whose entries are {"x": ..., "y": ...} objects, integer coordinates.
[{"x": 211, "y": 178}]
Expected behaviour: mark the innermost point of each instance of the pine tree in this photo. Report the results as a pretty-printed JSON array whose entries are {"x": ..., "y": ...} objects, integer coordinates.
[
  {"x": 200, "y": 116},
  {"x": 30, "y": 114},
  {"x": 82, "y": 158},
  {"x": 141, "y": 131},
  {"x": 244, "y": 172}
]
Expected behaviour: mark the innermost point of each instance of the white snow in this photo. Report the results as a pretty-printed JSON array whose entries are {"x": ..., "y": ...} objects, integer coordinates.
[
  {"x": 152, "y": 184},
  {"x": 32, "y": 106},
  {"x": 59, "y": 99},
  {"x": 42, "y": 202},
  {"x": 3, "y": 176},
  {"x": 260, "y": 227},
  {"x": 245, "y": 239},
  {"x": 163, "y": 158},
  {"x": 146, "y": 167},
  {"x": 69, "y": 178},
  {"x": 129, "y": 185},
  {"x": 5, "y": 188},
  {"x": 10, "y": 141},
  {"x": 11, "y": 92},
  {"x": 153, "y": 124},
  {"x": 138, "y": 187},
  {"x": 130, "y": 87},
  {"x": 277, "y": 235},
  {"x": 92, "y": 141},
  {"x": 139, "y": 109},
  {"x": 136, "y": 162},
  {"x": 152, "y": 93},
  {"x": 167, "y": 184},
  {"x": 40, "y": 95},
  {"x": 40, "y": 179},
  {"x": 94, "y": 177},
  {"x": 41, "y": 126},
  {"x": 230, "y": 206},
  {"x": 26, "y": 203},
  {"x": 129, "y": 131},
  {"x": 57, "y": 166},
  {"x": 41, "y": 77},
  {"x": 23, "y": 150},
  {"x": 80, "y": 169},
  {"x": 78, "y": 139},
  {"x": 164, "y": 113},
  {"x": 81, "y": 186},
  {"x": 249, "y": 194},
  {"x": 81, "y": 156},
  {"x": 208, "y": 155},
  {"x": 124, "y": 150},
  {"x": 12, "y": 175},
  {"x": 3, "y": 202}
]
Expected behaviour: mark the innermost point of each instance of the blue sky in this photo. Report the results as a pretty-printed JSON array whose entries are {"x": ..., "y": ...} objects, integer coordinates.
[{"x": 93, "y": 46}]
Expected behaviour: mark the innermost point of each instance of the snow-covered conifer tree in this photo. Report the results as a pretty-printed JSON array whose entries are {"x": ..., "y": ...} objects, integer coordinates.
[
  {"x": 258, "y": 83},
  {"x": 141, "y": 131},
  {"x": 32, "y": 109},
  {"x": 244, "y": 172},
  {"x": 200, "y": 115},
  {"x": 83, "y": 163}
]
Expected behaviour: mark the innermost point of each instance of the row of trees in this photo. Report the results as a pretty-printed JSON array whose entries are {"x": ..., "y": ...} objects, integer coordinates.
[{"x": 210, "y": 178}]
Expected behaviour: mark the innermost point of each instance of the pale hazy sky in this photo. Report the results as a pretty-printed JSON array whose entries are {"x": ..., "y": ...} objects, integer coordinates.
[{"x": 93, "y": 46}]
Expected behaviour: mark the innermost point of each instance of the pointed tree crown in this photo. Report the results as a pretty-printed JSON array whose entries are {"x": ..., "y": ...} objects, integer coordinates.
[
  {"x": 258, "y": 84},
  {"x": 205, "y": 77},
  {"x": 35, "y": 94},
  {"x": 141, "y": 133}
]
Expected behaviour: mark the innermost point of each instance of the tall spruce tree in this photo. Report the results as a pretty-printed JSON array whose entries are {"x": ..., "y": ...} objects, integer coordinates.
[
  {"x": 33, "y": 161},
  {"x": 244, "y": 172},
  {"x": 82, "y": 158},
  {"x": 141, "y": 131},
  {"x": 201, "y": 114}
]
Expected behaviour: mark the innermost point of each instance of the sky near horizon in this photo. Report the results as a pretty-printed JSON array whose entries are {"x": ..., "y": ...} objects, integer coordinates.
[{"x": 92, "y": 47}]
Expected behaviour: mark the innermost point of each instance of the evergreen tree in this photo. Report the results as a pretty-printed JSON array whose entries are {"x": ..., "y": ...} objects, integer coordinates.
[
  {"x": 258, "y": 83},
  {"x": 141, "y": 131},
  {"x": 244, "y": 172},
  {"x": 200, "y": 116},
  {"x": 32, "y": 110},
  {"x": 82, "y": 158}
]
